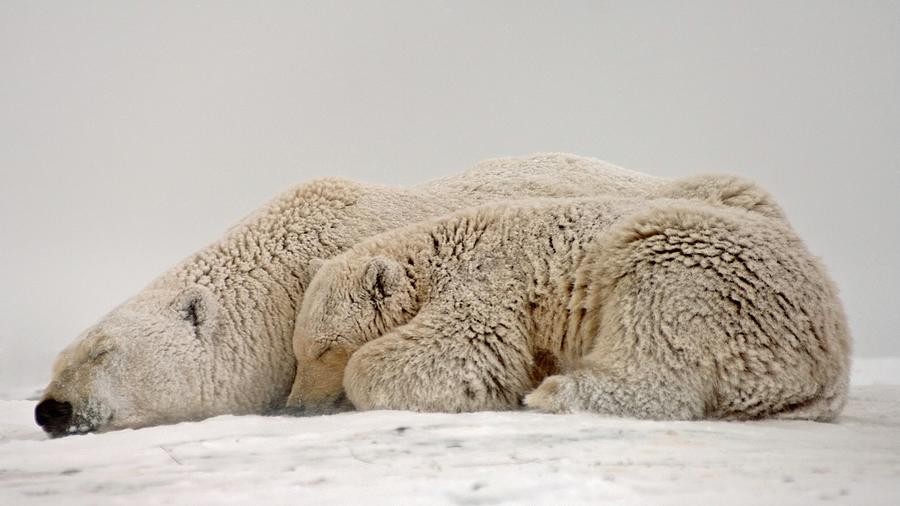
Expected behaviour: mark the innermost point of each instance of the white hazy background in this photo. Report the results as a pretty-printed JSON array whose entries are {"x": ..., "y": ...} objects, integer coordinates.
[{"x": 132, "y": 134}]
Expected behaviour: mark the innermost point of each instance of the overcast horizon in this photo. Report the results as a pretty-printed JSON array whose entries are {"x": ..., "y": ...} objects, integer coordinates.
[{"x": 135, "y": 134}]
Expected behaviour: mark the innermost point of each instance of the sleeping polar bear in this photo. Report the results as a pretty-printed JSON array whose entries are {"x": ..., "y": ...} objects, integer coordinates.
[
  {"x": 213, "y": 335},
  {"x": 663, "y": 309}
]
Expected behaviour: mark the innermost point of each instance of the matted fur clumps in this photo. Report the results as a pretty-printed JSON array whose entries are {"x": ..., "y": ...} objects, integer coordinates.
[
  {"x": 702, "y": 312},
  {"x": 700, "y": 303},
  {"x": 212, "y": 335}
]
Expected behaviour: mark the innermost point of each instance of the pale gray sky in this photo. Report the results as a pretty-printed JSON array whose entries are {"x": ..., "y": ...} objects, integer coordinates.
[{"x": 133, "y": 134}]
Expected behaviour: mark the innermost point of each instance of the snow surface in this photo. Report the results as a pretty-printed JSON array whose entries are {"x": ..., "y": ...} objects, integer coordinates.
[{"x": 480, "y": 458}]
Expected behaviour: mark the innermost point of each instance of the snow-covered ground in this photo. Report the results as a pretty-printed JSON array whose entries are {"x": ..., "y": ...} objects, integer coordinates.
[{"x": 480, "y": 458}]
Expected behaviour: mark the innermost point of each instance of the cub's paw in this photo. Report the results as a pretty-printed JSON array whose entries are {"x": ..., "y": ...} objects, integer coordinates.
[{"x": 554, "y": 395}]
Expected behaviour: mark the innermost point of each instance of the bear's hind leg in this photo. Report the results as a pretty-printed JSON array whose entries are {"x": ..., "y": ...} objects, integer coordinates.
[
  {"x": 706, "y": 312},
  {"x": 632, "y": 394}
]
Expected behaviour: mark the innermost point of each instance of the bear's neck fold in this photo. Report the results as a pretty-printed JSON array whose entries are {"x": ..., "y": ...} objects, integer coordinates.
[
  {"x": 267, "y": 253},
  {"x": 261, "y": 266}
]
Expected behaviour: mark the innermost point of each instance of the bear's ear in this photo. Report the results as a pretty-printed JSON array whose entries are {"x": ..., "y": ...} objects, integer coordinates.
[
  {"x": 196, "y": 305},
  {"x": 313, "y": 266},
  {"x": 384, "y": 277}
]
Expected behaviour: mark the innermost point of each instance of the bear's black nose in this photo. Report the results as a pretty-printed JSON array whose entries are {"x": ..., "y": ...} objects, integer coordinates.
[{"x": 53, "y": 416}]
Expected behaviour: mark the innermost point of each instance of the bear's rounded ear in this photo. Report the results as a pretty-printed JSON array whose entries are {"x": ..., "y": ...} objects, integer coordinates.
[
  {"x": 196, "y": 305},
  {"x": 313, "y": 266},
  {"x": 384, "y": 277}
]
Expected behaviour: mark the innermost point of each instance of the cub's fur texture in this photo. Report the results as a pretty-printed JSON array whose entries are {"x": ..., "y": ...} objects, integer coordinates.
[
  {"x": 213, "y": 334},
  {"x": 706, "y": 305}
]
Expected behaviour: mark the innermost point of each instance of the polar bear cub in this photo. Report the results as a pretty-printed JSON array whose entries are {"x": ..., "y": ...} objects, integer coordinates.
[{"x": 673, "y": 308}]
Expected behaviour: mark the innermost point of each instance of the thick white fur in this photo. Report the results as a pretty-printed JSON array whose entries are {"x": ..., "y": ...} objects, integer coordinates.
[
  {"x": 213, "y": 334},
  {"x": 705, "y": 305}
]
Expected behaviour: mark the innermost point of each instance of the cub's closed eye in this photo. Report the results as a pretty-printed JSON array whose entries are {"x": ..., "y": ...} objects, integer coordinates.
[{"x": 322, "y": 352}]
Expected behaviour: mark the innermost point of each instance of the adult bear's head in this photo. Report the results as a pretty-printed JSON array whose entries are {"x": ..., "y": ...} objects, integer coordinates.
[
  {"x": 147, "y": 362},
  {"x": 212, "y": 335}
]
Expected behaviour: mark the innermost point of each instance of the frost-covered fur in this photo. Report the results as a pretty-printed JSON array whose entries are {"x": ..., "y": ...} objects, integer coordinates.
[
  {"x": 213, "y": 335},
  {"x": 664, "y": 309}
]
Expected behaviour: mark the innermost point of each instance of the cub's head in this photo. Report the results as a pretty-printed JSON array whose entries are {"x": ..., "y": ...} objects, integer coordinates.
[
  {"x": 350, "y": 301},
  {"x": 147, "y": 362}
]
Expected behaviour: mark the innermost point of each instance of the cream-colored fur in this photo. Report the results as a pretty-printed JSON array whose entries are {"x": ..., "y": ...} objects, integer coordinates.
[
  {"x": 702, "y": 305},
  {"x": 213, "y": 335}
]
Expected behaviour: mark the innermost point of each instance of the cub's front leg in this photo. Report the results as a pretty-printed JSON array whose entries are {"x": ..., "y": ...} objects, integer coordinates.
[{"x": 441, "y": 363}]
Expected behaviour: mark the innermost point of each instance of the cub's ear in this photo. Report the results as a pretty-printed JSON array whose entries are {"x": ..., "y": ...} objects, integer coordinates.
[
  {"x": 198, "y": 306},
  {"x": 313, "y": 266},
  {"x": 384, "y": 277}
]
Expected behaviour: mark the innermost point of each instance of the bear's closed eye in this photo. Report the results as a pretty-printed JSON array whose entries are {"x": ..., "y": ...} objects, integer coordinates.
[
  {"x": 322, "y": 352},
  {"x": 97, "y": 355}
]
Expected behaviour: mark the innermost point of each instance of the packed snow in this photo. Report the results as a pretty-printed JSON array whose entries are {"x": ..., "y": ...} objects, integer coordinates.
[{"x": 480, "y": 458}]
